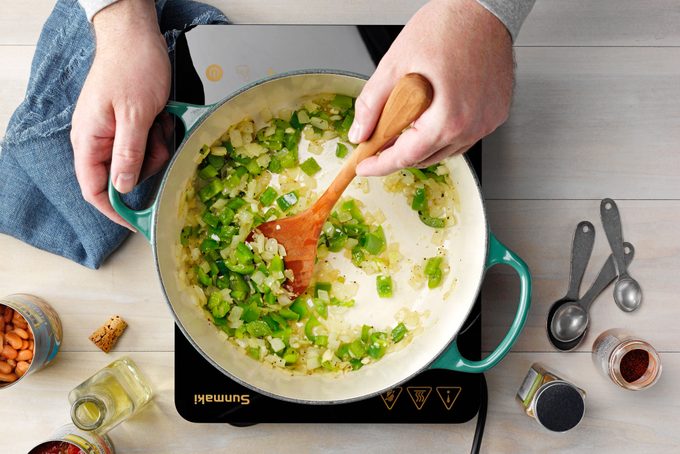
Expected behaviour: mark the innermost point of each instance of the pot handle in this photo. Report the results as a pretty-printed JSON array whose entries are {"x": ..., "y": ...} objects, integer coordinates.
[
  {"x": 190, "y": 115},
  {"x": 452, "y": 359}
]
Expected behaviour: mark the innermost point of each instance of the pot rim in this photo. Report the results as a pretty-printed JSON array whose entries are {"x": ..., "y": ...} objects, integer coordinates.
[{"x": 210, "y": 110}]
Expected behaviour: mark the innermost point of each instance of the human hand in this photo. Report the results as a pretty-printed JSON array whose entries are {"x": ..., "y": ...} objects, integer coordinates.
[
  {"x": 114, "y": 120},
  {"x": 466, "y": 54}
]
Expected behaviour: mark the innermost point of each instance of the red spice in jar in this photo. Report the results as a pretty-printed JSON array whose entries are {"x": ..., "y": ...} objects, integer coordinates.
[
  {"x": 59, "y": 447},
  {"x": 634, "y": 364}
]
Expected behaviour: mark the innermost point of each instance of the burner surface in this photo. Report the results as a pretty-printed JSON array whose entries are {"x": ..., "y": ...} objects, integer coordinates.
[{"x": 208, "y": 64}]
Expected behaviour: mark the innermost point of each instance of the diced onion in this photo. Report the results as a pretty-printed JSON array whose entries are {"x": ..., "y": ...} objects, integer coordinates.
[{"x": 277, "y": 344}]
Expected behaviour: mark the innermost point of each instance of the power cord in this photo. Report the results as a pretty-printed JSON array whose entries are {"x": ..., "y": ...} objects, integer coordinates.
[{"x": 481, "y": 416}]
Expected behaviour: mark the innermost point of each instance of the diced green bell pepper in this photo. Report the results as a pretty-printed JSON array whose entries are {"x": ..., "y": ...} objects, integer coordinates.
[
  {"x": 268, "y": 196},
  {"x": 309, "y": 328},
  {"x": 419, "y": 201},
  {"x": 258, "y": 328},
  {"x": 342, "y": 102},
  {"x": 210, "y": 219},
  {"x": 236, "y": 203},
  {"x": 253, "y": 352},
  {"x": 399, "y": 332},
  {"x": 310, "y": 166},
  {"x": 208, "y": 172},
  {"x": 216, "y": 161},
  {"x": 185, "y": 235},
  {"x": 226, "y": 215},
  {"x": 358, "y": 256},
  {"x": 341, "y": 150},
  {"x": 210, "y": 190},
  {"x": 321, "y": 340},
  {"x": 435, "y": 223},
  {"x": 325, "y": 286},
  {"x": 384, "y": 286},
  {"x": 243, "y": 254},
  {"x": 203, "y": 277},
  {"x": 240, "y": 268},
  {"x": 374, "y": 242},
  {"x": 290, "y": 356},
  {"x": 299, "y": 306},
  {"x": 250, "y": 313},
  {"x": 289, "y": 314},
  {"x": 286, "y": 201},
  {"x": 357, "y": 349}
]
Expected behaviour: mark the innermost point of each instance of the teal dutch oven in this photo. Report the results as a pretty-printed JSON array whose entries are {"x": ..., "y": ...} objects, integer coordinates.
[{"x": 436, "y": 316}]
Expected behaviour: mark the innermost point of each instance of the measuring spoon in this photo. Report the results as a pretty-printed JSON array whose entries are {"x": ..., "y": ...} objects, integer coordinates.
[
  {"x": 581, "y": 249},
  {"x": 569, "y": 321},
  {"x": 627, "y": 291}
]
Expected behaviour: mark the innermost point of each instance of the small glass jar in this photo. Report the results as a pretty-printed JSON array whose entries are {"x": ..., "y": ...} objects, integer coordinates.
[
  {"x": 628, "y": 361},
  {"x": 109, "y": 397},
  {"x": 553, "y": 402}
]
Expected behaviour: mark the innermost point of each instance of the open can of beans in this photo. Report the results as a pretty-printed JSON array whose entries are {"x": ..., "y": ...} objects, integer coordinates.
[
  {"x": 69, "y": 439},
  {"x": 30, "y": 336}
]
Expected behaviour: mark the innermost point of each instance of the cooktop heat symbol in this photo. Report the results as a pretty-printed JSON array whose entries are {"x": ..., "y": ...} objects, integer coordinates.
[
  {"x": 419, "y": 395},
  {"x": 448, "y": 395},
  {"x": 390, "y": 397}
]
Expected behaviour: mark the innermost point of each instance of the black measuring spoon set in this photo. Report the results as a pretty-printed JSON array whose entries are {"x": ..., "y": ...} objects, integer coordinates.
[{"x": 575, "y": 311}]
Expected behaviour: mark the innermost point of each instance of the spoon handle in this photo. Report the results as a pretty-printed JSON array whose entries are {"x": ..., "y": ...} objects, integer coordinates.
[
  {"x": 611, "y": 220},
  {"x": 581, "y": 249},
  {"x": 410, "y": 97},
  {"x": 606, "y": 276}
]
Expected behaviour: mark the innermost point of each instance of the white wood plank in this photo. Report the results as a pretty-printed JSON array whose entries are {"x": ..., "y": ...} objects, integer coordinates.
[
  {"x": 589, "y": 123},
  {"x": 551, "y": 23},
  {"x": 615, "y": 421},
  {"x": 126, "y": 285},
  {"x": 602, "y": 23},
  {"x": 541, "y": 232},
  {"x": 21, "y": 22},
  {"x": 16, "y": 67}
]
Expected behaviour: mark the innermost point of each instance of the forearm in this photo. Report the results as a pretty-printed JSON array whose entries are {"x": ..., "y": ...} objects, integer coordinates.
[
  {"x": 511, "y": 12},
  {"x": 125, "y": 17}
]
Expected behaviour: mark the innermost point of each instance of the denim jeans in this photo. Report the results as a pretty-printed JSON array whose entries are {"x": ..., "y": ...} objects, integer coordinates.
[{"x": 40, "y": 199}]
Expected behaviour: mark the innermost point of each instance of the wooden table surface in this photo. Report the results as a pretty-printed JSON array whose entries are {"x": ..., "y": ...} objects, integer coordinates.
[{"x": 596, "y": 114}]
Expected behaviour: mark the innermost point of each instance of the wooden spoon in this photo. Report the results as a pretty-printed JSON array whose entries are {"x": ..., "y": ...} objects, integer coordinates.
[{"x": 299, "y": 234}]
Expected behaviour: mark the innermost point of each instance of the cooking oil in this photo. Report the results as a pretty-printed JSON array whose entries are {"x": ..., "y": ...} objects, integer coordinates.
[{"x": 109, "y": 397}]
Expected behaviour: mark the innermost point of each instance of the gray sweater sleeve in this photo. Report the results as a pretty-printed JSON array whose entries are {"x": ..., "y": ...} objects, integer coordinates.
[
  {"x": 511, "y": 12},
  {"x": 92, "y": 7}
]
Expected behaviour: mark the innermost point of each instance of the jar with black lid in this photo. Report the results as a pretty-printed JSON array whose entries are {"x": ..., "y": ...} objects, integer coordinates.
[{"x": 553, "y": 402}]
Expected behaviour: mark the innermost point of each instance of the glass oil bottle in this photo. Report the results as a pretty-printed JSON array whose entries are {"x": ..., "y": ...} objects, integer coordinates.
[{"x": 109, "y": 397}]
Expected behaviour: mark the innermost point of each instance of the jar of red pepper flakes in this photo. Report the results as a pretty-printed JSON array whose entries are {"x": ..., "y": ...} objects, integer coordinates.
[{"x": 628, "y": 361}]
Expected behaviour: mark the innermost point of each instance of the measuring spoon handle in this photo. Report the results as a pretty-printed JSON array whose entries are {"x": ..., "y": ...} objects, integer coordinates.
[
  {"x": 607, "y": 275},
  {"x": 611, "y": 220},
  {"x": 581, "y": 249}
]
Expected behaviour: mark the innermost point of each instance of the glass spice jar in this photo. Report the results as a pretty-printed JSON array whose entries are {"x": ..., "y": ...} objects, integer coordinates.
[
  {"x": 553, "y": 402},
  {"x": 629, "y": 362}
]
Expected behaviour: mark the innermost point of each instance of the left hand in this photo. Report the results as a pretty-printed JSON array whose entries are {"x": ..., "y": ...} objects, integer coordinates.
[
  {"x": 115, "y": 124},
  {"x": 466, "y": 54}
]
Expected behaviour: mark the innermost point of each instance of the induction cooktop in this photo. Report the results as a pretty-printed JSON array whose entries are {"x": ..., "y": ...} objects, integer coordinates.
[{"x": 213, "y": 61}]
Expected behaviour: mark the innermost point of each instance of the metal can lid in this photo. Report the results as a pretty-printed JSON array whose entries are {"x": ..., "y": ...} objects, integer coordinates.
[{"x": 559, "y": 406}]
